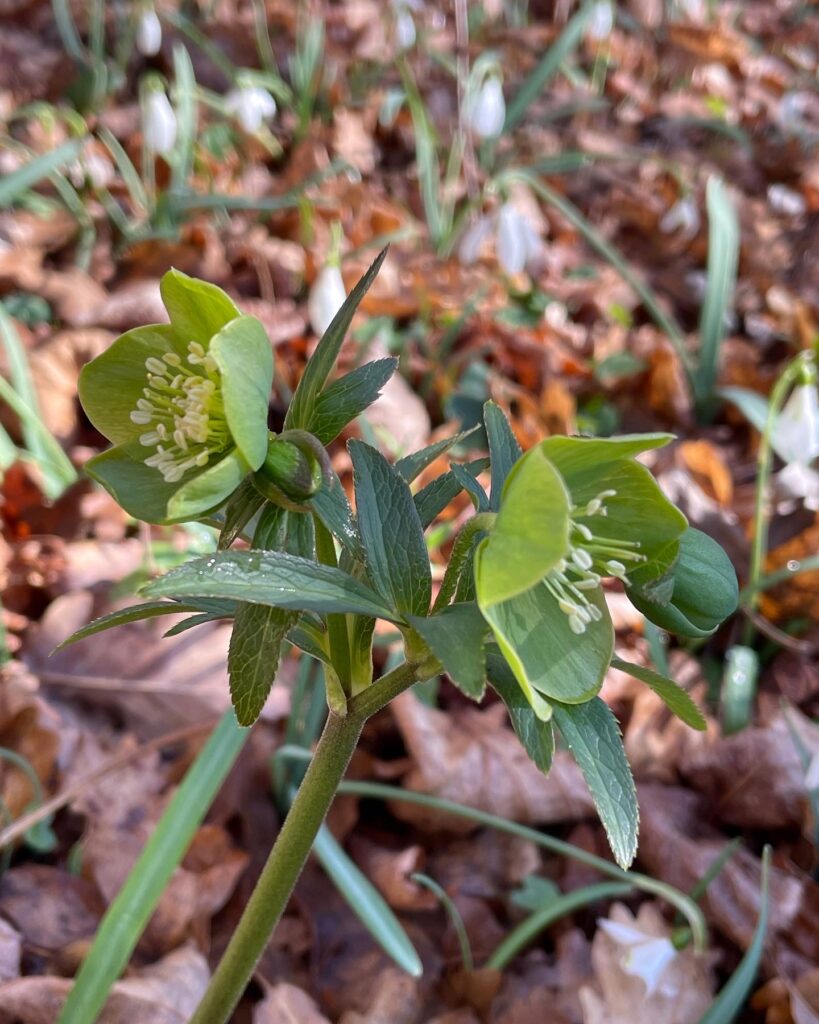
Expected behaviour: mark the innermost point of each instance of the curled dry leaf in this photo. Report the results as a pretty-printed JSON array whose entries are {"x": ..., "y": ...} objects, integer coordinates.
[
  {"x": 471, "y": 757},
  {"x": 49, "y": 907},
  {"x": 395, "y": 998},
  {"x": 287, "y": 1004}
]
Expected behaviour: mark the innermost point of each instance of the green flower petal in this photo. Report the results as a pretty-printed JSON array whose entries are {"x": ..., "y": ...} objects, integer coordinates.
[
  {"x": 581, "y": 459},
  {"x": 244, "y": 356},
  {"x": 198, "y": 310},
  {"x": 208, "y": 489},
  {"x": 111, "y": 384},
  {"x": 138, "y": 488}
]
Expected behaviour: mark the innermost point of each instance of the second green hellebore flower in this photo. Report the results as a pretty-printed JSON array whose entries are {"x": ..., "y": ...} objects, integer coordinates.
[{"x": 185, "y": 405}]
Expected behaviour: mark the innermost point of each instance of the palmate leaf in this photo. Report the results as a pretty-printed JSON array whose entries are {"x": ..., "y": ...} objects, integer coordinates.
[
  {"x": 271, "y": 578},
  {"x": 456, "y": 637},
  {"x": 395, "y": 551},
  {"x": 593, "y": 736}
]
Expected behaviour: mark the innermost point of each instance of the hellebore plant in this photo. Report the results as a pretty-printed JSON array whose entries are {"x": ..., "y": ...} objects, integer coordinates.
[{"x": 521, "y": 606}]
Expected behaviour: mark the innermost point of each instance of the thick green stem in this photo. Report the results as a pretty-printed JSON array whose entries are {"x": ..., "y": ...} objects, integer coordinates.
[{"x": 292, "y": 847}]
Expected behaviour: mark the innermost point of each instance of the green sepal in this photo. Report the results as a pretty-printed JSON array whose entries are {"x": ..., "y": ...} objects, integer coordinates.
[
  {"x": 208, "y": 489},
  {"x": 674, "y": 697},
  {"x": 704, "y": 594},
  {"x": 197, "y": 309},
  {"x": 245, "y": 359}
]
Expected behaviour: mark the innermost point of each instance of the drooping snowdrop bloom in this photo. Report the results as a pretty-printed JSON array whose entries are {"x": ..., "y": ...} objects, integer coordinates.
[
  {"x": 486, "y": 110},
  {"x": 404, "y": 26},
  {"x": 92, "y": 168},
  {"x": 645, "y": 955},
  {"x": 149, "y": 33},
  {"x": 159, "y": 122},
  {"x": 601, "y": 21},
  {"x": 683, "y": 216},
  {"x": 327, "y": 296},
  {"x": 516, "y": 241},
  {"x": 796, "y": 437},
  {"x": 250, "y": 105}
]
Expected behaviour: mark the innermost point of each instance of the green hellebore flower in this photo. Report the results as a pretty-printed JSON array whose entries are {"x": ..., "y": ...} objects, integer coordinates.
[
  {"x": 698, "y": 592},
  {"x": 184, "y": 404}
]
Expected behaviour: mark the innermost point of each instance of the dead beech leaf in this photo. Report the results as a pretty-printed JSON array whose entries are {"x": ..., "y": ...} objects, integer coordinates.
[
  {"x": 394, "y": 999},
  {"x": 49, "y": 907},
  {"x": 167, "y": 992},
  {"x": 287, "y": 1004},
  {"x": 131, "y": 305},
  {"x": 353, "y": 140},
  {"x": 11, "y": 945},
  {"x": 678, "y": 991},
  {"x": 399, "y": 417},
  {"x": 473, "y": 758},
  {"x": 707, "y": 463},
  {"x": 390, "y": 871},
  {"x": 75, "y": 295}
]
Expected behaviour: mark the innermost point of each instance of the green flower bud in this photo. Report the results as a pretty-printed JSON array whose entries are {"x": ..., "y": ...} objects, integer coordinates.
[
  {"x": 697, "y": 595},
  {"x": 294, "y": 468}
]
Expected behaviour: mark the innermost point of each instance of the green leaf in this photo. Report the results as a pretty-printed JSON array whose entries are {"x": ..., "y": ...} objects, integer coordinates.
[
  {"x": 434, "y": 498},
  {"x": 411, "y": 465},
  {"x": 545, "y": 655},
  {"x": 16, "y": 182},
  {"x": 367, "y": 902},
  {"x": 471, "y": 486},
  {"x": 323, "y": 360},
  {"x": 723, "y": 257},
  {"x": 243, "y": 505},
  {"x": 536, "y": 736},
  {"x": 133, "y": 613},
  {"x": 531, "y": 533},
  {"x": 592, "y": 734},
  {"x": 245, "y": 359},
  {"x": 504, "y": 449},
  {"x": 752, "y": 405},
  {"x": 253, "y": 656},
  {"x": 456, "y": 637},
  {"x": 349, "y": 396},
  {"x": 391, "y": 532},
  {"x": 197, "y": 309},
  {"x": 270, "y": 578},
  {"x": 331, "y": 506},
  {"x": 673, "y": 696},
  {"x": 110, "y": 385}
]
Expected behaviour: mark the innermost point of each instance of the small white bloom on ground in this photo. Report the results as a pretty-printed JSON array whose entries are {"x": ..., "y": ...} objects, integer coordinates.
[
  {"x": 487, "y": 110},
  {"x": 786, "y": 201},
  {"x": 92, "y": 168},
  {"x": 516, "y": 241},
  {"x": 644, "y": 955},
  {"x": 683, "y": 216},
  {"x": 601, "y": 21},
  {"x": 159, "y": 125},
  {"x": 326, "y": 298},
  {"x": 800, "y": 482},
  {"x": 250, "y": 105},
  {"x": 149, "y": 33},
  {"x": 404, "y": 26},
  {"x": 796, "y": 436}
]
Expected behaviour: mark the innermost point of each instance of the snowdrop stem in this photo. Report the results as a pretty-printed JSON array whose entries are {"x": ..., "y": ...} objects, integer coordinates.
[
  {"x": 293, "y": 844},
  {"x": 759, "y": 546}
]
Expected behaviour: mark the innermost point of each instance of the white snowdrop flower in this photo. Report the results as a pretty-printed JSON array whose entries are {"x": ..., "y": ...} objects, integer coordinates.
[
  {"x": 404, "y": 27},
  {"x": 683, "y": 216},
  {"x": 473, "y": 239},
  {"x": 487, "y": 111},
  {"x": 159, "y": 123},
  {"x": 645, "y": 956},
  {"x": 250, "y": 105},
  {"x": 601, "y": 21},
  {"x": 800, "y": 482},
  {"x": 516, "y": 240},
  {"x": 326, "y": 298},
  {"x": 796, "y": 436},
  {"x": 91, "y": 167},
  {"x": 786, "y": 201},
  {"x": 812, "y": 774},
  {"x": 149, "y": 33}
]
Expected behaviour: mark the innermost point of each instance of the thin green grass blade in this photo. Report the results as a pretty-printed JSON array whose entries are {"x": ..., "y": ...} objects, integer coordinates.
[
  {"x": 529, "y": 929},
  {"x": 126, "y": 918},
  {"x": 185, "y": 104},
  {"x": 15, "y": 184},
  {"x": 452, "y": 913},
  {"x": 67, "y": 29},
  {"x": 367, "y": 902},
  {"x": 731, "y": 999},
  {"x": 548, "y": 66},
  {"x": 125, "y": 166},
  {"x": 8, "y": 451},
  {"x": 723, "y": 258}
]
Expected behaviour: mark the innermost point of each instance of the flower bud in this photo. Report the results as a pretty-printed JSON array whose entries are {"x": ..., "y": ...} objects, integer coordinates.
[
  {"x": 683, "y": 216},
  {"x": 513, "y": 241},
  {"x": 289, "y": 474},
  {"x": 159, "y": 123},
  {"x": 149, "y": 33},
  {"x": 404, "y": 28},
  {"x": 601, "y": 21},
  {"x": 251, "y": 106},
  {"x": 327, "y": 296},
  {"x": 487, "y": 111}
]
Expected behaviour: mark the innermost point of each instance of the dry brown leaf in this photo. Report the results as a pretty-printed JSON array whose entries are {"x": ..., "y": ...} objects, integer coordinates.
[
  {"x": 287, "y": 1004},
  {"x": 49, "y": 907},
  {"x": 395, "y": 999},
  {"x": 706, "y": 462},
  {"x": 11, "y": 947},
  {"x": 473, "y": 758},
  {"x": 390, "y": 871},
  {"x": 678, "y": 990}
]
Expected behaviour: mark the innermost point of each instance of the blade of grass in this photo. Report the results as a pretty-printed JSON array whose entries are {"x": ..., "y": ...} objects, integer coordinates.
[
  {"x": 665, "y": 321},
  {"x": 723, "y": 257},
  {"x": 125, "y": 166},
  {"x": 130, "y": 912},
  {"x": 730, "y": 1000},
  {"x": 529, "y": 929},
  {"x": 452, "y": 913},
  {"x": 58, "y": 472},
  {"x": 367, "y": 902},
  {"x": 185, "y": 104},
  {"x": 792, "y": 569},
  {"x": 426, "y": 156},
  {"x": 67, "y": 29},
  {"x": 548, "y": 66},
  {"x": 13, "y": 185}
]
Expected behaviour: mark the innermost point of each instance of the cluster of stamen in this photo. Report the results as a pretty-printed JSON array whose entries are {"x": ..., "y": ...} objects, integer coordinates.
[
  {"x": 184, "y": 411},
  {"x": 591, "y": 556}
]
